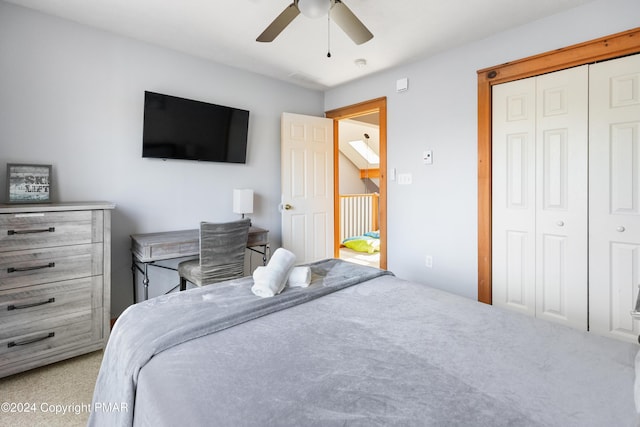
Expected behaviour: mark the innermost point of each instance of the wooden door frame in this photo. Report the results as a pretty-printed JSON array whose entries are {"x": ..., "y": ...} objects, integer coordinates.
[
  {"x": 378, "y": 105},
  {"x": 609, "y": 47}
]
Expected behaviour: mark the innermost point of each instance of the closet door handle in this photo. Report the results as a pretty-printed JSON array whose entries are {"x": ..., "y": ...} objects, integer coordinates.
[
  {"x": 620, "y": 229},
  {"x": 560, "y": 223}
]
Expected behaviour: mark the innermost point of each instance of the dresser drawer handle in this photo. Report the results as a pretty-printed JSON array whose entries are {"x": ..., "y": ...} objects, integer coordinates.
[
  {"x": 31, "y": 341},
  {"x": 35, "y": 304},
  {"x": 37, "y": 267},
  {"x": 39, "y": 230}
]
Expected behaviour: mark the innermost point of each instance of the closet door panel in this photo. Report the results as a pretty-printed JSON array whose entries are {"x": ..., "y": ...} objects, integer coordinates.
[
  {"x": 624, "y": 165},
  {"x": 513, "y": 200},
  {"x": 561, "y": 189},
  {"x": 625, "y": 263},
  {"x": 614, "y": 196},
  {"x": 553, "y": 284}
]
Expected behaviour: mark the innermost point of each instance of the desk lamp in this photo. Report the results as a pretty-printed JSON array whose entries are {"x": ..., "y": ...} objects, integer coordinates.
[{"x": 242, "y": 201}]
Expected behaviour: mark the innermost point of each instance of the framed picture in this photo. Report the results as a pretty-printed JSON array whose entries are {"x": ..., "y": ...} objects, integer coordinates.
[{"x": 28, "y": 183}]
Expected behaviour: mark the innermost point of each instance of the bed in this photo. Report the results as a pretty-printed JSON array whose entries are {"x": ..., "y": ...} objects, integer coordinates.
[{"x": 358, "y": 347}]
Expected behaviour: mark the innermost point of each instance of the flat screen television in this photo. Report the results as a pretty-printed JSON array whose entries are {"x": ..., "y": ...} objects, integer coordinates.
[{"x": 179, "y": 128}]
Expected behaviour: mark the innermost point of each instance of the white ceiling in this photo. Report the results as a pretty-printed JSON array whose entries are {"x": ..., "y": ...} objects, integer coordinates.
[{"x": 225, "y": 31}]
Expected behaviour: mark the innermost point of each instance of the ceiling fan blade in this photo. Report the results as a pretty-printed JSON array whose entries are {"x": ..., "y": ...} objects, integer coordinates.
[
  {"x": 279, "y": 24},
  {"x": 350, "y": 23}
]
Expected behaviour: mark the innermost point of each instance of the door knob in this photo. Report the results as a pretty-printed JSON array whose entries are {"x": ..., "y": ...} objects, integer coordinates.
[
  {"x": 560, "y": 223},
  {"x": 287, "y": 207},
  {"x": 620, "y": 229}
]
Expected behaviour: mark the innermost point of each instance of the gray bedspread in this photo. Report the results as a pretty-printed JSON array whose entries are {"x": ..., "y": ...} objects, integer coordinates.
[
  {"x": 384, "y": 352},
  {"x": 149, "y": 328}
]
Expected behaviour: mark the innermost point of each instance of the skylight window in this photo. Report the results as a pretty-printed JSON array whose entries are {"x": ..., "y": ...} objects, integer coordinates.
[{"x": 365, "y": 151}]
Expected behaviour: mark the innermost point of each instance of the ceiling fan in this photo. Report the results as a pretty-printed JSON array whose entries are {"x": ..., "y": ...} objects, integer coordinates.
[{"x": 338, "y": 11}]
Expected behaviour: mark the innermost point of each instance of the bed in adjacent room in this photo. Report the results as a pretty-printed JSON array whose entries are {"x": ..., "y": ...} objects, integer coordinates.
[
  {"x": 358, "y": 347},
  {"x": 362, "y": 249},
  {"x": 368, "y": 242}
]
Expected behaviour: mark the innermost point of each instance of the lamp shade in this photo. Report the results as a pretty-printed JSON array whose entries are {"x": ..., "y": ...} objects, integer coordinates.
[{"x": 242, "y": 201}]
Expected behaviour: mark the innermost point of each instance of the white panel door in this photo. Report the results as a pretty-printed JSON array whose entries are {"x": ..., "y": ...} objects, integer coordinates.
[
  {"x": 562, "y": 196},
  {"x": 307, "y": 186},
  {"x": 539, "y": 196},
  {"x": 513, "y": 195},
  {"x": 614, "y": 196}
]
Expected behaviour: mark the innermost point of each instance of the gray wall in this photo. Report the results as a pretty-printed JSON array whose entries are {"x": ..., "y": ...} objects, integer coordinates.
[
  {"x": 72, "y": 97},
  {"x": 437, "y": 214}
]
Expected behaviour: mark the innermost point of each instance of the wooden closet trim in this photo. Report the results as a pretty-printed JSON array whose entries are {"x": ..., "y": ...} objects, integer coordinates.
[{"x": 609, "y": 47}]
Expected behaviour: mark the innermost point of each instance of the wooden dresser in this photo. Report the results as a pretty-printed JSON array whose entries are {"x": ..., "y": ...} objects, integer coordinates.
[{"x": 55, "y": 282}]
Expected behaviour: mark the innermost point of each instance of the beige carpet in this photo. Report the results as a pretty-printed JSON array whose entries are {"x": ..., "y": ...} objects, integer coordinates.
[
  {"x": 362, "y": 258},
  {"x": 65, "y": 386}
]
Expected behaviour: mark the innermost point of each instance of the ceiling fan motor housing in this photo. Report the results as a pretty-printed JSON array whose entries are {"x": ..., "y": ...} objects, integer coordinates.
[{"x": 313, "y": 8}]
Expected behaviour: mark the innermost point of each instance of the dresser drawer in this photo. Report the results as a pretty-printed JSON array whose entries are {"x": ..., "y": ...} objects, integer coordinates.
[
  {"x": 48, "y": 229},
  {"x": 33, "y": 267},
  {"x": 48, "y": 337},
  {"x": 26, "y": 306}
]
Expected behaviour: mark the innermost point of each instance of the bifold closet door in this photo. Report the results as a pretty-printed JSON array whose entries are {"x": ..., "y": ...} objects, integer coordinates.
[
  {"x": 539, "y": 196},
  {"x": 514, "y": 195},
  {"x": 614, "y": 199},
  {"x": 562, "y": 178}
]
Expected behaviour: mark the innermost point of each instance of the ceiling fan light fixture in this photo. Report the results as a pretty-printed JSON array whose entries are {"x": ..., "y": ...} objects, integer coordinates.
[
  {"x": 335, "y": 10},
  {"x": 314, "y": 8}
]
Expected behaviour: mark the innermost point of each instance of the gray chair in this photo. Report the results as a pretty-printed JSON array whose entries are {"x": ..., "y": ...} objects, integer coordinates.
[{"x": 222, "y": 250}]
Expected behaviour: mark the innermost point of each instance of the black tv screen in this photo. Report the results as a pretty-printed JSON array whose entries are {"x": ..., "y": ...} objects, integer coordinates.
[{"x": 178, "y": 128}]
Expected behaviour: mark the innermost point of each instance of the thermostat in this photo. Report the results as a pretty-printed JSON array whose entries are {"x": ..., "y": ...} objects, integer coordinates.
[{"x": 427, "y": 157}]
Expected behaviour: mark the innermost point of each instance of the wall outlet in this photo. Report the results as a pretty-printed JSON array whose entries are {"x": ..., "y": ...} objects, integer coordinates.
[{"x": 428, "y": 261}]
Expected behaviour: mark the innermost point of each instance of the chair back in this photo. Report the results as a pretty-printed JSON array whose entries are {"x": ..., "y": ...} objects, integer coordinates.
[{"x": 222, "y": 248}]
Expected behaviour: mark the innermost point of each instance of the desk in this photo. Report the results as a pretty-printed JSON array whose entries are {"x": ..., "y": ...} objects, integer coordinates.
[{"x": 148, "y": 248}]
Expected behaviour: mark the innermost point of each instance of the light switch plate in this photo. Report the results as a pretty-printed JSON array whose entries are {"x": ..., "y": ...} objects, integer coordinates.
[{"x": 405, "y": 178}]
